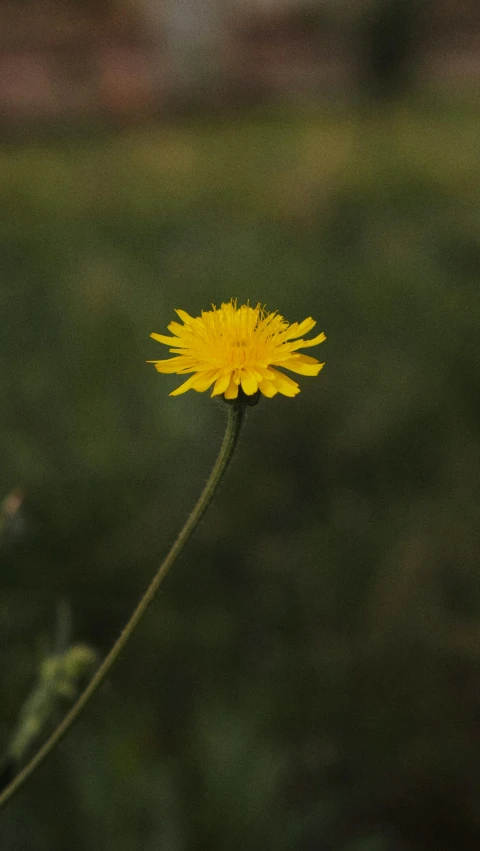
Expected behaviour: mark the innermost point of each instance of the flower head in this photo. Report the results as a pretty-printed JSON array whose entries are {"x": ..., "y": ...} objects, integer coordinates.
[{"x": 232, "y": 347}]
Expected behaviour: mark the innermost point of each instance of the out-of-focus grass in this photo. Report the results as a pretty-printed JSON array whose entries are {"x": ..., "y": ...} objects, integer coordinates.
[{"x": 309, "y": 675}]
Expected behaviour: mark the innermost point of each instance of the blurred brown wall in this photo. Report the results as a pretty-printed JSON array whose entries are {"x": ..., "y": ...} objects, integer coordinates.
[{"x": 127, "y": 59}]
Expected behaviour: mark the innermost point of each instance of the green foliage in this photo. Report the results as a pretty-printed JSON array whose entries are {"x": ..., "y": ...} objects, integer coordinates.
[
  {"x": 58, "y": 678},
  {"x": 308, "y": 677}
]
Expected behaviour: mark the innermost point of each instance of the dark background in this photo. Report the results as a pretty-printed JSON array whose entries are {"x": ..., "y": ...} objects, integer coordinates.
[{"x": 309, "y": 675}]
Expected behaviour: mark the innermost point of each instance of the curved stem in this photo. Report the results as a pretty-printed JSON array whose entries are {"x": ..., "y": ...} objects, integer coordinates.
[{"x": 236, "y": 415}]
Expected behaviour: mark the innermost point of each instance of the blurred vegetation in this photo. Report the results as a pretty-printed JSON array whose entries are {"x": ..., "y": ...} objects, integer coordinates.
[{"x": 309, "y": 677}]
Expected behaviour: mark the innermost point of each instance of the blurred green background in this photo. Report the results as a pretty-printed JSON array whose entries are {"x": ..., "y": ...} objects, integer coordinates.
[{"x": 309, "y": 676}]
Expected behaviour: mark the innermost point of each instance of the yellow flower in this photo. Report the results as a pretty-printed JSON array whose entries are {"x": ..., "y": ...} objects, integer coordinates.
[{"x": 238, "y": 347}]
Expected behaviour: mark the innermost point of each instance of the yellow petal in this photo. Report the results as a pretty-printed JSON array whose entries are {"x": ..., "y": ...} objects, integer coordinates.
[
  {"x": 184, "y": 387},
  {"x": 285, "y": 385},
  {"x": 249, "y": 382},
  {"x": 296, "y": 330},
  {"x": 177, "y": 329},
  {"x": 184, "y": 316},
  {"x": 203, "y": 381},
  {"x": 303, "y": 344},
  {"x": 169, "y": 341},
  {"x": 302, "y": 368},
  {"x": 232, "y": 390},
  {"x": 221, "y": 384},
  {"x": 267, "y": 388},
  {"x": 302, "y": 358},
  {"x": 170, "y": 365},
  {"x": 267, "y": 373}
]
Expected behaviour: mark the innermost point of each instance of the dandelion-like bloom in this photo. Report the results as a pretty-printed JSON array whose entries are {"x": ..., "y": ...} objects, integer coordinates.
[{"x": 238, "y": 347}]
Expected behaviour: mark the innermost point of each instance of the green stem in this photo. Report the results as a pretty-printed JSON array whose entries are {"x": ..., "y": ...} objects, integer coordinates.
[{"x": 236, "y": 414}]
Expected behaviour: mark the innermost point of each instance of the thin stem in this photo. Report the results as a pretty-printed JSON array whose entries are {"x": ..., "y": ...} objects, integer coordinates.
[{"x": 236, "y": 415}]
